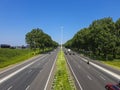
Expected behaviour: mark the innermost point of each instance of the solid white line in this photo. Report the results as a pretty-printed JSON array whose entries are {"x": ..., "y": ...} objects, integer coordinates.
[
  {"x": 45, "y": 88},
  {"x": 27, "y": 87},
  {"x": 9, "y": 87},
  {"x": 89, "y": 77},
  {"x": 74, "y": 75},
  {"x": 102, "y": 77},
  {"x": 14, "y": 73},
  {"x": 103, "y": 69},
  {"x": 18, "y": 64}
]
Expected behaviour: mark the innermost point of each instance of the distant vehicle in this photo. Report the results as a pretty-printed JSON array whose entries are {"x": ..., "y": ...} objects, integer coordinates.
[
  {"x": 73, "y": 53},
  {"x": 112, "y": 87},
  {"x": 69, "y": 53},
  {"x": 69, "y": 50},
  {"x": 65, "y": 52},
  {"x": 88, "y": 62}
]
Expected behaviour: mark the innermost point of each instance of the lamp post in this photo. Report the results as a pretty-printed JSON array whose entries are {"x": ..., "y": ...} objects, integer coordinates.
[
  {"x": 61, "y": 40},
  {"x": 61, "y": 35}
]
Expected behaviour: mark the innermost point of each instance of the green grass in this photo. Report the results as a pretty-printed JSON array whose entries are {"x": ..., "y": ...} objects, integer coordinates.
[
  {"x": 12, "y": 56},
  {"x": 62, "y": 80},
  {"x": 113, "y": 63}
]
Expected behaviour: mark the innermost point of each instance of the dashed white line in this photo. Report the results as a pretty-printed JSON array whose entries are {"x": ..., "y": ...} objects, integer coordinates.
[
  {"x": 27, "y": 87},
  {"x": 10, "y": 88},
  {"x": 89, "y": 78},
  {"x": 17, "y": 65},
  {"x": 102, "y": 77},
  {"x": 14, "y": 73},
  {"x": 29, "y": 71},
  {"x": 41, "y": 70},
  {"x": 103, "y": 69}
]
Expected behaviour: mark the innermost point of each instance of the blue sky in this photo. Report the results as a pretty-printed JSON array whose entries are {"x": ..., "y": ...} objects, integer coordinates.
[{"x": 17, "y": 17}]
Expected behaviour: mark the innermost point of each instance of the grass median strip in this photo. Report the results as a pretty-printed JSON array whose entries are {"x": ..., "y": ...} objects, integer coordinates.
[{"x": 62, "y": 79}]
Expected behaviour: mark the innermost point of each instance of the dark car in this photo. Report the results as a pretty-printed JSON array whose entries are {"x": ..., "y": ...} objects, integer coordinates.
[
  {"x": 73, "y": 53},
  {"x": 69, "y": 53},
  {"x": 112, "y": 87}
]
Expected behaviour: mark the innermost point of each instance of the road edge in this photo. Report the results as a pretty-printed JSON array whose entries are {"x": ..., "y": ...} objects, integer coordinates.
[
  {"x": 51, "y": 76},
  {"x": 72, "y": 72}
]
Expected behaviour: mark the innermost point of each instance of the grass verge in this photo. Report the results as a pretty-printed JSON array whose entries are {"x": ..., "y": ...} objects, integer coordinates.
[
  {"x": 113, "y": 63},
  {"x": 12, "y": 56},
  {"x": 62, "y": 79}
]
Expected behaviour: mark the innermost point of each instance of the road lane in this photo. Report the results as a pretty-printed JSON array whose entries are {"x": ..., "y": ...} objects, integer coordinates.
[
  {"x": 40, "y": 81},
  {"x": 22, "y": 64},
  {"x": 86, "y": 80},
  {"x": 112, "y": 73},
  {"x": 25, "y": 78},
  {"x": 89, "y": 77}
]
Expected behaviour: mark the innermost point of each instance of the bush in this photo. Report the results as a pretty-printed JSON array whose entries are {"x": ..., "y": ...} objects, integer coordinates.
[{"x": 109, "y": 57}]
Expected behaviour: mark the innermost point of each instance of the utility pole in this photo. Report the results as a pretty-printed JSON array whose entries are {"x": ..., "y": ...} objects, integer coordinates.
[{"x": 61, "y": 35}]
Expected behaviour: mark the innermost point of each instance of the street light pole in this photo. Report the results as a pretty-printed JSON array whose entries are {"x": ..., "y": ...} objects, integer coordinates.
[{"x": 61, "y": 35}]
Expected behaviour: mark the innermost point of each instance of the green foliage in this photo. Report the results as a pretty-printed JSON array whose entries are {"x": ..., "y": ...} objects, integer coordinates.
[
  {"x": 114, "y": 63},
  {"x": 101, "y": 39},
  {"x": 38, "y": 39},
  {"x": 11, "y": 56}
]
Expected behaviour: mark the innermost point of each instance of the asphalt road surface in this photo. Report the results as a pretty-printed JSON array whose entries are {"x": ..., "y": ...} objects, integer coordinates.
[
  {"x": 30, "y": 75},
  {"x": 93, "y": 76},
  {"x": 34, "y": 74}
]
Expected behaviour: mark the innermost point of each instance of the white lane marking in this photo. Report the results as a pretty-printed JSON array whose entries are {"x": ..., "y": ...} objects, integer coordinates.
[
  {"x": 29, "y": 71},
  {"x": 14, "y": 73},
  {"x": 89, "y": 77},
  {"x": 103, "y": 69},
  {"x": 19, "y": 64},
  {"x": 27, "y": 87},
  {"x": 10, "y": 88},
  {"x": 74, "y": 75},
  {"x": 41, "y": 70},
  {"x": 102, "y": 77},
  {"x": 45, "y": 88}
]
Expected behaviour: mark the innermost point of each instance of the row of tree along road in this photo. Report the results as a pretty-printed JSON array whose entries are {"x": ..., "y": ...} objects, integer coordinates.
[
  {"x": 101, "y": 40},
  {"x": 37, "y": 39}
]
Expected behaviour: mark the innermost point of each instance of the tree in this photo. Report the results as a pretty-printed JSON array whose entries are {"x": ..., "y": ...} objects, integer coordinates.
[
  {"x": 38, "y": 39},
  {"x": 102, "y": 38}
]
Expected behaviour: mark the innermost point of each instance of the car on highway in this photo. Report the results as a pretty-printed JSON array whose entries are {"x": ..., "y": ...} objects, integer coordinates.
[{"x": 112, "y": 86}]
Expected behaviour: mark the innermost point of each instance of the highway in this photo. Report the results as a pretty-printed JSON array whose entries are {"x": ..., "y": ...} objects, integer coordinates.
[
  {"x": 33, "y": 74},
  {"x": 93, "y": 76}
]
